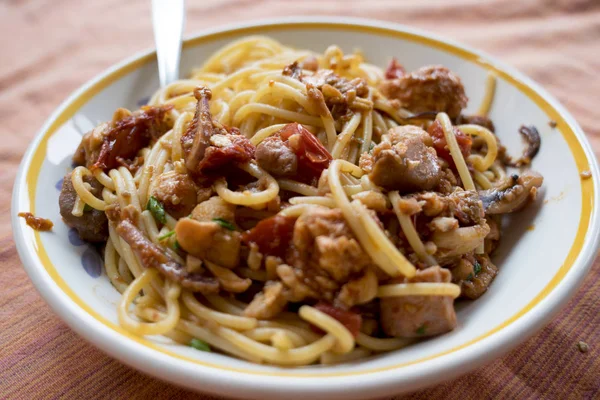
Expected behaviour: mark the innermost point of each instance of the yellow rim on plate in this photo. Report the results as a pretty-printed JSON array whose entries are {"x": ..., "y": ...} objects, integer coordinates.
[{"x": 579, "y": 155}]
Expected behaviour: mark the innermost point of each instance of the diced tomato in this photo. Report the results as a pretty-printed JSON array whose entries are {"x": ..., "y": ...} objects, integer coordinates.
[
  {"x": 351, "y": 320},
  {"x": 272, "y": 235},
  {"x": 439, "y": 142},
  {"x": 313, "y": 157},
  {"x": 128, "y": 136},
  {"x": 395, "y": 70},
  {"x": 241, "y": 150}
]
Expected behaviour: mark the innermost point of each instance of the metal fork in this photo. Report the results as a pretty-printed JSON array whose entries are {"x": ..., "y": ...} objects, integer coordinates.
[{"x": 168, "y": 20}]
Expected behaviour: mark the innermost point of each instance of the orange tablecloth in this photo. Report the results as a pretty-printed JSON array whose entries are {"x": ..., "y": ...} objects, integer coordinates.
[{"x": 50, "y": 47}]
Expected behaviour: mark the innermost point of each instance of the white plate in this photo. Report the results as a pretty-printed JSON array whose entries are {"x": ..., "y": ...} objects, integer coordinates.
[{"x": 544, "y": 255}]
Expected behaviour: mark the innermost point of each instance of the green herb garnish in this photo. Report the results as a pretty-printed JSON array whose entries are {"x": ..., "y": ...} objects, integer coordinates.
[
  {"x": 176, "y": 245},
  {"x": 469, "y": 277},
  {"x": 224, "y": 223},
  {"x": 87, "y": 208},
  {"x": 199, "y": 345},
  {"x": 420, "y": 330},
  {"x": 477, "y": 267},
  {"x": 166, "y": 236},
  {"x": 157, "y": 210}
]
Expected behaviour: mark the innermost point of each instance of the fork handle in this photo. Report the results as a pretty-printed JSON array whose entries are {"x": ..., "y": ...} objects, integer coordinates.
[{"x": 168, "y": 20}]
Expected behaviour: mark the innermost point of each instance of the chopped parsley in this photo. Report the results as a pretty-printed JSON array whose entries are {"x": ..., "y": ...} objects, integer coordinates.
[
  {"x": 224, "y": 223},
  {"x": 199, "y": 345},
  {"x": 157, "y": 210},
  {"x": 176, "y": 245},
  {"x": 477, "y": 268},
  {"x": 420, "y": 330},
  {"x": 469, "y": 277},
  {"x": 87, "y": 208},
  {"x": 166, "y": 236}
]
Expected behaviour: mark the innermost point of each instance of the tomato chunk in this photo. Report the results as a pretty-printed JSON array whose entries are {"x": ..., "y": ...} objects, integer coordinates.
[
  {"x": 439, "y": 142},
  {"x": 272, "y": 235},
  {"x": 313, "y": 157},
  {"x": 236, "y": 149},
  {"x": 126, "y": 137},
  {"x": 394, "y": 70},
  {"x": 351, "y": 320}
]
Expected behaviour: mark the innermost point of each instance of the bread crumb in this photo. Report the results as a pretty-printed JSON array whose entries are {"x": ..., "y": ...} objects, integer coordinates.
[
  {"x": 583, "y": 347},
  {"x": 586, "y": 174},
  {"x": 552, "y": 124}
]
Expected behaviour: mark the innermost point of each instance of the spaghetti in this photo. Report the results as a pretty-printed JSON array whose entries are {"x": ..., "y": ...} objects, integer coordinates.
[{"x": 288, "y": 207}]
